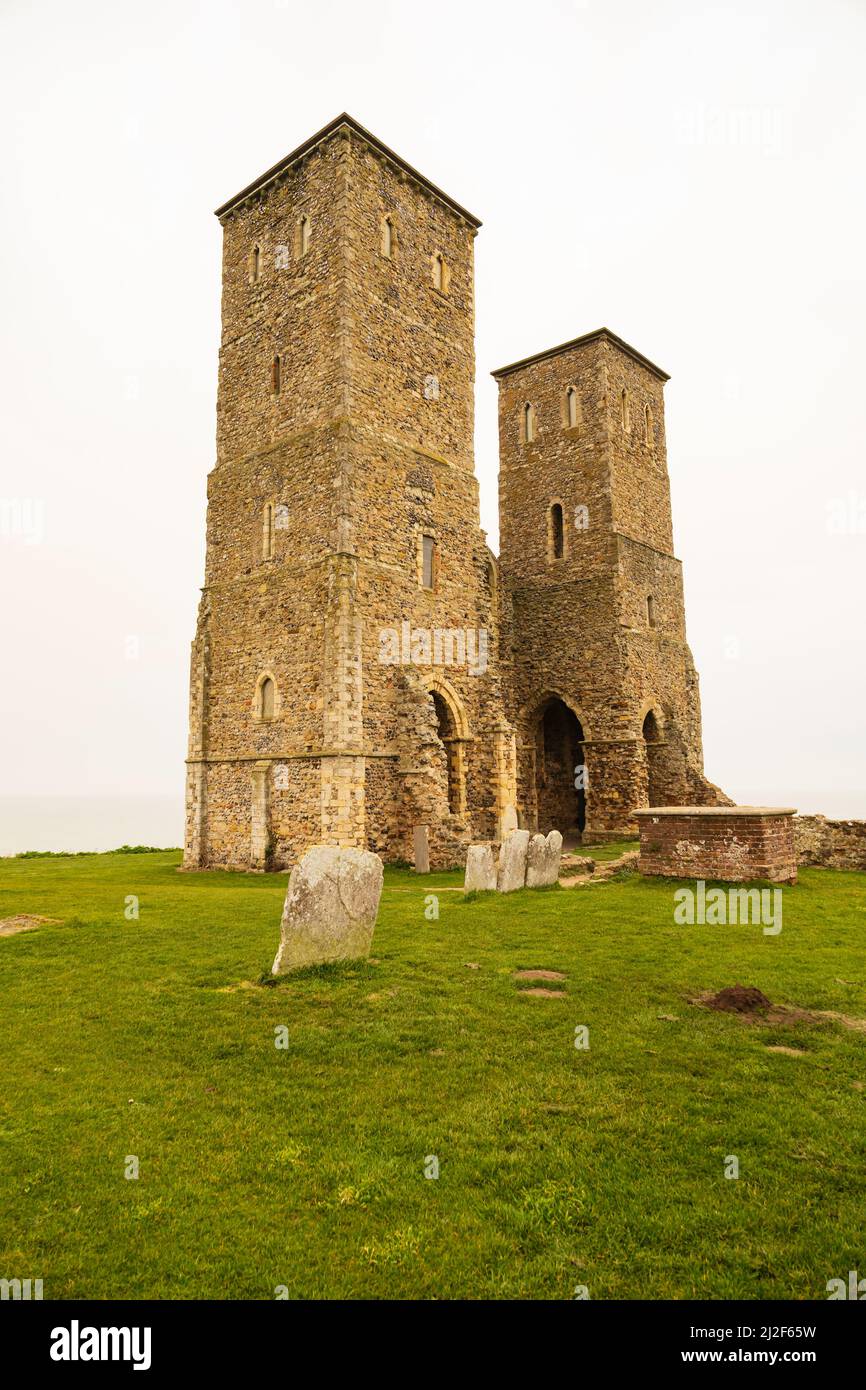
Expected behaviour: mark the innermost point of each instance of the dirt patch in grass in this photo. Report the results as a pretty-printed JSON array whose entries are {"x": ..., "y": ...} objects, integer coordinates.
[
  {"x": 788, "y": 1051},
  {"x": 539, "y": 975},
  {"x": 543, "y": 993},
  {"x": 739, "y": 999},
  {"x": 752, "y": 1006},
  {"x": 10, "y": 926}
]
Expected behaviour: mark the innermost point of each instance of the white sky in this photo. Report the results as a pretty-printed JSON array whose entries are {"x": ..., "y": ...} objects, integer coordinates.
[{"x": 689, "y": 174}]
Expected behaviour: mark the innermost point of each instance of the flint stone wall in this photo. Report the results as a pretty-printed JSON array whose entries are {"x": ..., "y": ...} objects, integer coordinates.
[{"x": 832, "y": 844}]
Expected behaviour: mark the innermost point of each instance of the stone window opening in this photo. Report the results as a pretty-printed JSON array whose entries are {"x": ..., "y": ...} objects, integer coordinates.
[
  {"x": 266, "y": 698},
  {"x": 528, "y": 423},
  {"x": 650, "y": 611},
  {"x": 387, "y": 243},
  {"x": 626, "y": 411},
  {"x": 275, "y": 375},
  {"x": 268, "y": 532},
  {"x": 556, "y": 532},
  {"x": 441, "y": 273},
  {"x": 428, "y": 562},
  {"x": 572, "y": 409},
  {"x": 303, "y": 233},
  {"x": 649, "y": 429},
  {"x": 256, "y": 264}
]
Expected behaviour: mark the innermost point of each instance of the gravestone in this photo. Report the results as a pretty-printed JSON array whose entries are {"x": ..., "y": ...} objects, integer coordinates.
[
  {"x": 512, "y": 861},
  {"x": 480, "y": 869},
  {"x": 330, "y": 910},
  {"x": 421, "y": 849},
  {"x": 542, "y": 859}
]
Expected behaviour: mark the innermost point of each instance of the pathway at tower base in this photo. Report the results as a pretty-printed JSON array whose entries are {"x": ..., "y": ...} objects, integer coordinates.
[
  {"x": 331, "y": 907},
  {"x": 732, "y": 844}
]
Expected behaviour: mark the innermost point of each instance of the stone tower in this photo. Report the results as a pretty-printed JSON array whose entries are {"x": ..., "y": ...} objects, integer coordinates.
[
  {"x": 602, "y": 690},
  {"x": 345, "y": 681}
]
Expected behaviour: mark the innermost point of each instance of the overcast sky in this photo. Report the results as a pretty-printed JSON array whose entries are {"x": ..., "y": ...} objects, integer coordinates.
[{"x": 688, "y": 174}]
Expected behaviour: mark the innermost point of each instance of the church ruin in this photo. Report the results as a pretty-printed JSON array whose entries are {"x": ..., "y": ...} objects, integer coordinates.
[{"x": 363, "y": 663}]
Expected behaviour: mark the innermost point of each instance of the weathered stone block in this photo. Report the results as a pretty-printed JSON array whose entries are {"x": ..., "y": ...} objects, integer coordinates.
[
  {"x": 512, "y": 862},
  {"x": 330, "y": 910},
  {"x": 480, "y": 869},
  {"x": 421, "y": 848},
  {"x": 542, "y": 859}
]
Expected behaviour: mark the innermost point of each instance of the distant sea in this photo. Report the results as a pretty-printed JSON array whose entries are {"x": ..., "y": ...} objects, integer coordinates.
[{"x": 89, "y": 822}]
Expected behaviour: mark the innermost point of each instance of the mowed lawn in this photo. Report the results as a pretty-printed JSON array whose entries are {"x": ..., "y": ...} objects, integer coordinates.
[{"x": 304, "y": 1166}]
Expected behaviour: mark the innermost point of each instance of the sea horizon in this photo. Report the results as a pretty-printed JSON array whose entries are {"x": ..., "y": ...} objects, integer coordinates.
[{"x": 89, "y": 823}]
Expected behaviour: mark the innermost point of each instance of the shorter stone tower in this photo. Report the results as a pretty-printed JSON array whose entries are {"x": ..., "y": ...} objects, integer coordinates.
[{"x": 603, "y": 690}]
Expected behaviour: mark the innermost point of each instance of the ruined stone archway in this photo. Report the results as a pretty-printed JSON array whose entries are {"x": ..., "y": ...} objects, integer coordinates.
[
  {"x": 560, "y": 769},
  {"x": 451, "y": 728},
  {"x": 652, "y": 737}
]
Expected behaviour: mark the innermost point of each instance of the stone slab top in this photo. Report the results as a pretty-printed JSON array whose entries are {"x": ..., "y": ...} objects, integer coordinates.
[{"x": 716, "y": 811}]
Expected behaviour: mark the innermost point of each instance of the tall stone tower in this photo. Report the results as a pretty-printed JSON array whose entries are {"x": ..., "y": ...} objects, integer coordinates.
[
  {"x": 345, "y": 685},
  {"x": 603, "y": 690}
]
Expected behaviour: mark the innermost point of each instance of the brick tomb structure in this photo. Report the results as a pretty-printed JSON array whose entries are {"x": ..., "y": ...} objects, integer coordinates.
[{"x": 734, "y": 844}]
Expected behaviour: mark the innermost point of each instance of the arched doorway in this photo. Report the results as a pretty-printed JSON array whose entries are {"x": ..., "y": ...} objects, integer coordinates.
[
  {"x": 446, "y": 727},
  {"x": 560, "y": 770},
  {"x": 653, "y": 739}
]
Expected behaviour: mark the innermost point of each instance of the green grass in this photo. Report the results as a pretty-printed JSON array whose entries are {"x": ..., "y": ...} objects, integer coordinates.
[{"x": 304, "y": 1167}]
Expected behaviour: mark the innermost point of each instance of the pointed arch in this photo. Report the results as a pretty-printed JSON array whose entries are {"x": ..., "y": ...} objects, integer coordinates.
[
  {"x": 571, "y": 409},
  {"x": 266, "y": 700}
]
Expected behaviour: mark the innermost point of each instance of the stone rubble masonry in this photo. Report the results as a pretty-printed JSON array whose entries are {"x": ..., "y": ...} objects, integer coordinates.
[
  {"x": 345, "y": 414},
  {"x": 331, "y": 906},
  {"x": 733, "y": 844},
  {"x": 832, "y": 844}
]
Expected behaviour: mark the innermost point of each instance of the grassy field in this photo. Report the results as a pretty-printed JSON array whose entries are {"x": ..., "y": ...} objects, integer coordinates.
[{"x": 304, "y": 1166}]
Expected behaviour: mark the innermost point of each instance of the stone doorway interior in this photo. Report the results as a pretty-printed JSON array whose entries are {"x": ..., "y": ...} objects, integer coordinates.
[{"x": 560, "y": 771}]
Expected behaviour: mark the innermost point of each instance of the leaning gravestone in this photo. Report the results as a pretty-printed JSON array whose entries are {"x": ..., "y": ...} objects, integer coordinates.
[
  {"x": 542, "y": 860},
  {"x": 512, "y": 861},
  {"x": 331, "y": 906},
  {"x": 480, "y": 869}
]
